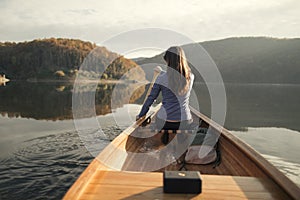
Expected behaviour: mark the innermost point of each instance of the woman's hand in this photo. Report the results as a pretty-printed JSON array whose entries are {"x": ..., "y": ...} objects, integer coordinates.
[{"x": 137, "y": 118}]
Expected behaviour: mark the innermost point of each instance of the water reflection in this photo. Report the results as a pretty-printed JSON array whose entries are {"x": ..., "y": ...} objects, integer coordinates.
[
  {"x": 53, "y": 101},
  {"x": 257, "y": 105},
  {"x": 247, "y": 105}
]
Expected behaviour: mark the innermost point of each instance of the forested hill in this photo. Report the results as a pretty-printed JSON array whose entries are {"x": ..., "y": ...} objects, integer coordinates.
[
  {"x": 56, "y": 59},
  {"x": 250, "y": 59},
  {"x": 240, "y": 60}
]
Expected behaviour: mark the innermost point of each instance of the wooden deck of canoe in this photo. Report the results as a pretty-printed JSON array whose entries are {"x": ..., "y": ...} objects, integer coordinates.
[
  {"x": 119, "y": 173},
  {"x": 126, "y": 185}
]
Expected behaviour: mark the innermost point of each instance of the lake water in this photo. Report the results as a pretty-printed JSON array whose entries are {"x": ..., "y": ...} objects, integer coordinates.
[{"x": 41, "y": 153}]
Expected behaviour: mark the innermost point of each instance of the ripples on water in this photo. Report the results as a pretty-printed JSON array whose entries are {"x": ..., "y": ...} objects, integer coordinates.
[
  {"x": 45, "y": 167},
  {"x": 290, "y": 169}
]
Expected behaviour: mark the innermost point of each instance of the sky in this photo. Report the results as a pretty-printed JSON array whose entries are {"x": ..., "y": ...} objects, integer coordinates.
[{"x": 98, "y": 20}]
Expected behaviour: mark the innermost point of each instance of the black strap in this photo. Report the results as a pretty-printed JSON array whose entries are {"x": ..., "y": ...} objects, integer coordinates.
[
  {"x": 165, "y": 138},
  {"x": 219, "y": 158},
  {"x": 183, "y": 166}
]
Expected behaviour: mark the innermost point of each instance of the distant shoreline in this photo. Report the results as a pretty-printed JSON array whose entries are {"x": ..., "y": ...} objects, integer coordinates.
[
  {"x": 145, "y": 81},
  {"x": 80, "y": 81}
]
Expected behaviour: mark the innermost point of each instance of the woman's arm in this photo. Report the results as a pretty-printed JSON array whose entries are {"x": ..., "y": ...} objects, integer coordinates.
[{"x": 150, "y": 99}]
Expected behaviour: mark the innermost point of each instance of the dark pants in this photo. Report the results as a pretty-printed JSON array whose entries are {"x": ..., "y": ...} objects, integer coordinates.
[{"x": 165, "y": 125}]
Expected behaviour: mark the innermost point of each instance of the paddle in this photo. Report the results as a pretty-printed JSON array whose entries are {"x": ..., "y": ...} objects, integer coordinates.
[{"x": 156, "y": 72}]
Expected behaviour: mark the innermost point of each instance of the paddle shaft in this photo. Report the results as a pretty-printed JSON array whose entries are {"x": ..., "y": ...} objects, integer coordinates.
[{"x": 155, "y": 75}]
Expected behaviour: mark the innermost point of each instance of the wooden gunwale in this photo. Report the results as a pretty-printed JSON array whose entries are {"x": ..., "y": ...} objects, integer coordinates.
[{"x": 270, "y": 170}]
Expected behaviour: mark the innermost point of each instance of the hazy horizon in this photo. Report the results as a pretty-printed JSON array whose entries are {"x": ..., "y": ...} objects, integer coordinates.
[{"x": 97, "y": 21}]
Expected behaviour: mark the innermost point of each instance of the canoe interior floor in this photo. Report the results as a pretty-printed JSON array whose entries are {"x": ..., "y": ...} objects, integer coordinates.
[
  {"x": 233, "y": 162},
  {"x": 140, "y": 142},
  {"x": 137, "y": 144}
]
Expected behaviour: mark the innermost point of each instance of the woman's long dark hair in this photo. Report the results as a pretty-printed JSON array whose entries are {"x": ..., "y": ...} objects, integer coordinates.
[{"x": 178, "y": 70}]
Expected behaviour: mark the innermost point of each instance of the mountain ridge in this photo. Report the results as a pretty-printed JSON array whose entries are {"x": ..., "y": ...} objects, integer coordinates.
[{"x": 248, "y": 59}]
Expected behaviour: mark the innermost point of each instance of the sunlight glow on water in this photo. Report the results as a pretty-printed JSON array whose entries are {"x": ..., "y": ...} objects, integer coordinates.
[
  {"x": 291, "y": 170},
  {"x": 280, "y": 146}
]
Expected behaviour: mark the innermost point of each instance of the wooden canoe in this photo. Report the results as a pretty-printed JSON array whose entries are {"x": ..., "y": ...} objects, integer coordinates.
[{"x": 254, "y": 176}]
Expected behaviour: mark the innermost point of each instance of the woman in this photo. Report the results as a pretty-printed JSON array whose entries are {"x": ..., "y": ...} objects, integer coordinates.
[{"x": 175, "y": 86}]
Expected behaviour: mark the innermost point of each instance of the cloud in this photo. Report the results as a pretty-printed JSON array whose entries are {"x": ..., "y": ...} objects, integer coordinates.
[
  {"x": 96, "y": 21},
  {"x": 83, "y": 12}
]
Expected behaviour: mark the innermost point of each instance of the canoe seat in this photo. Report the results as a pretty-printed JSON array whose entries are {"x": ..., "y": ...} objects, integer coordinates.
[{"x": 172, "y": 131}]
